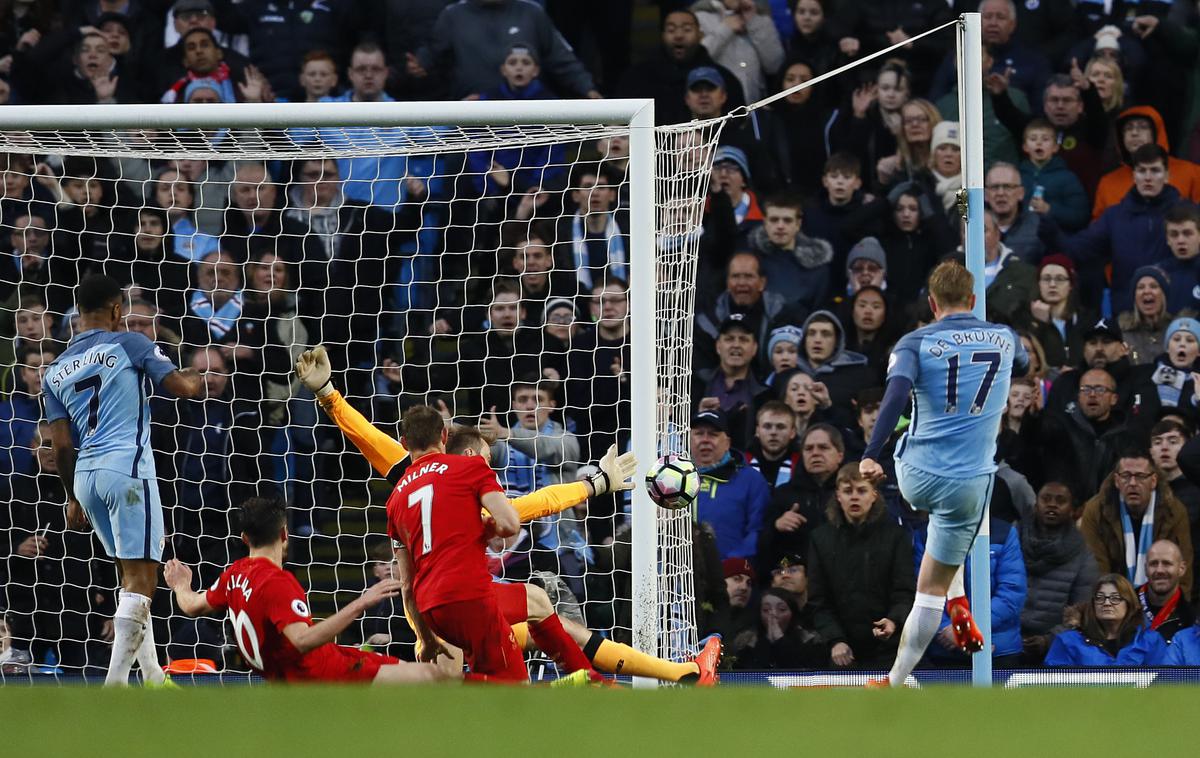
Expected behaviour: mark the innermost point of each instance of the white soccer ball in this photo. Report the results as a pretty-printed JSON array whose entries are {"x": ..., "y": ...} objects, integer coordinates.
[{"x": 673, "y": 482}]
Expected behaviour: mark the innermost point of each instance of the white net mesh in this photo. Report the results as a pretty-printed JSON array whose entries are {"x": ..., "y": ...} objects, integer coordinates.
[{"x": 483, "y": 268}]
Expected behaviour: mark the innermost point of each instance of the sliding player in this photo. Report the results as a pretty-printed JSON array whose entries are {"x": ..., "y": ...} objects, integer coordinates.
[
  {"x": 518, "y": 602},
  {"x": 959, "y": 368},
  {"x": 96, "y": 400},
  {"x": 269, "y": 612}
]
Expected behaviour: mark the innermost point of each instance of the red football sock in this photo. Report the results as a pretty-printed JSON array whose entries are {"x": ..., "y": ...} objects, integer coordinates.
[{"x": 550, "y": 637}]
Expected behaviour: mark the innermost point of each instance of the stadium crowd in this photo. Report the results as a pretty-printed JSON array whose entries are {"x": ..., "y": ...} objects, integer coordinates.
[{"x": 494, "y": 285}]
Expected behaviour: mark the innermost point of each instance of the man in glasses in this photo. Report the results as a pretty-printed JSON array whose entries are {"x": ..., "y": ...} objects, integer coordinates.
[
  {"x": 1005, "y": 197},
  {"x": 1085, "y": 437},
  {"x": 1133, "y": 510}
]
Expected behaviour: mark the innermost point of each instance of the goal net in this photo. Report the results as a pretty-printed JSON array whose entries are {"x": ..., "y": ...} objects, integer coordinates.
[{"x": 525, "y": 268}]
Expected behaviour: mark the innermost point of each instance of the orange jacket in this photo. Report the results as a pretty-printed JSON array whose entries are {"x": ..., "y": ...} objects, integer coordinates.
[{"x": 1182, "y": 175}]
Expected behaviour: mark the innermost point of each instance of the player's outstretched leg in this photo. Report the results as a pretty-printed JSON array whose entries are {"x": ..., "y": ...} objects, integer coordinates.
[{"x": 546, "y": 629}]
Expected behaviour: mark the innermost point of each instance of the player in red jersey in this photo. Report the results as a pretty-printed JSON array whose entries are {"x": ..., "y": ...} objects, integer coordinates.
[
  {"x": 270, "y": 616},
  {"x": 434, "y": 521}
]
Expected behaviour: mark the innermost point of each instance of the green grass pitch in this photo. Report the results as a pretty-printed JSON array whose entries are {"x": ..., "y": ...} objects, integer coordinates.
[{"x": 346, "y": 722}]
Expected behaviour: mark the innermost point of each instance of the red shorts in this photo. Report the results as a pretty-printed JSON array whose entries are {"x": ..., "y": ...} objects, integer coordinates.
[
  {"x": 486, "y": 638},
  {"x": 342, "y": 664},
  {"x": 513, "y": 602}
]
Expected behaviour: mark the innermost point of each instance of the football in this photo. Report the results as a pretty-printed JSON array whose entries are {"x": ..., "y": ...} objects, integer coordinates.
[{"x": 673, "y": 482}]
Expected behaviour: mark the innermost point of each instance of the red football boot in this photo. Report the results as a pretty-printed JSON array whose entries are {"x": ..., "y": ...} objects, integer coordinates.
[
  {"x": 966, "y": 634},
  {"x": 708, "y": 660},
  {"x": 878, "y": 684}
]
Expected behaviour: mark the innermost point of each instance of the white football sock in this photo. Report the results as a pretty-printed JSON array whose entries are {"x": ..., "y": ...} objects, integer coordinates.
[
  {"x": 147, "y": 657},
  {"x": 957, "y": 589},
  {"x": 919, "y": 630},
  {"x": 129, "y": 626}
]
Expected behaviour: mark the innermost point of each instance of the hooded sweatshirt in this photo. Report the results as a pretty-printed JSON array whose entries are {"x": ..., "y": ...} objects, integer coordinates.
[
  {"x": 1182, "y": 175},
  {"x": 845, "y": 373}
]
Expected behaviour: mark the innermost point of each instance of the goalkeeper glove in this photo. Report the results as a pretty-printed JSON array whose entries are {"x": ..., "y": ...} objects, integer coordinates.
[
  {"x": 615, "y": 472},
  {"x": 312, "y": 368}
]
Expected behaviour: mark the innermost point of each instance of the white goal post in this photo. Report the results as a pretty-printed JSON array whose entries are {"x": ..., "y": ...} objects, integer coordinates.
[{"x": 667, "y": 177}]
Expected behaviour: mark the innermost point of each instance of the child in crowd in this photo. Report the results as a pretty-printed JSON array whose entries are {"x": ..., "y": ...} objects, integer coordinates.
[{"x": 1052, "y": 188}]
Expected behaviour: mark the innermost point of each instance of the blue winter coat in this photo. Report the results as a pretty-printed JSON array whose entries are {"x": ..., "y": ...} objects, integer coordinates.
[
  {"x": 1130, "y": 234},
  {"x": 1073, "y": 649},
  {"x": 1068, "y": 200},
  {"x": 1182, "y": 291},
  {"x": 733, "y": 500},
  {"x": 1008, "y": 592},
  {"x": 1184, "y": 649},
  {"x": 19, "y": 417}
]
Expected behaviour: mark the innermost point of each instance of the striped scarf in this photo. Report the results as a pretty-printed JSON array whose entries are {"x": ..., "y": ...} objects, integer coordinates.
[
  {"x": 617, "y": 260},
  {"x": 220, "y": 320},
  {"x": 1135, "y": 550}
]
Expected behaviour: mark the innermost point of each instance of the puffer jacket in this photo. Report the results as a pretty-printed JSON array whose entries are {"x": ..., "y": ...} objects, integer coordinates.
[
  {"x": 733, "y": 498},
  {"x": 1101, "y": 527},
  {"x": 1059, "y": 570},
  {"x": 800, "y": 275},
  {"x": 1074, "y": 649},
  {"x": 858, "y": 575}
]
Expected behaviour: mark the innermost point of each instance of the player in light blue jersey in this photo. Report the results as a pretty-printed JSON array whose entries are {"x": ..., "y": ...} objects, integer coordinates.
[
  {"x": 99, "y": 414},
  {"x": 958, "y": 370}
]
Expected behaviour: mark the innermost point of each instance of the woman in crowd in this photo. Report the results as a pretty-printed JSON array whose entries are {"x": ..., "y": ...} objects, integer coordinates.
[
  {"x": 871, "y": 331},
  {"x": 1145, "y": 325},
  {"x": 1112, "y": 632},
  {"x": 805, "y": 117},
  {"x": 867, "y": 125},
  {"x": 1105, "y": 75},
  {"x": 913, "y": 156},
  {"x": 1055, "y": 317},
  {"x": 779, "y": 641}
]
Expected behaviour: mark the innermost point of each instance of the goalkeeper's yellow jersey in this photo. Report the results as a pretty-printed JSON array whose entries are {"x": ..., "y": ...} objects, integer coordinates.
[{"x": 384, "y": 453}]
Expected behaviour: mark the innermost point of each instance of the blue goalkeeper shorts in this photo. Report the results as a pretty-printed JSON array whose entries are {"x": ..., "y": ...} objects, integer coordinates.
[
  {"x": 125, "y": 511},
  {"x": 955, "y": 508}
]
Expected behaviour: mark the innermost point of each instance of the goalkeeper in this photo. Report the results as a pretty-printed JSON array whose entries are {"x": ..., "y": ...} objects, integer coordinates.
[{"x": 389, "y": 458}]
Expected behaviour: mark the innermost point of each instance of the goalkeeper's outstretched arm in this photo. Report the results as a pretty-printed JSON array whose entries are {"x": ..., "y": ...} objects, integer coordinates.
[{"x": 385, "y": 453}]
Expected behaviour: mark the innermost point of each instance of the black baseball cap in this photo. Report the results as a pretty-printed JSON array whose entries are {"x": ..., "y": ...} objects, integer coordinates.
[
  {"x": 714, "y": 419},
  {"x": 735, "y": 321},
  {"x": 1105, "y": 327}
]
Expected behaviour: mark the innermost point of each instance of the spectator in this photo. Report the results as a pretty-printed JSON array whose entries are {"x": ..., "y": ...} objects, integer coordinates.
[
  {"x": 871, "y": 332},
  {"x": 1054, "y": 313},
  {"x": 796, "y": 265},
  {"x": 1021, "y": 430},
  {"x": 742, "y": 40},
  {"x": 945, "y": 164},
  {"x": 215, "y": 305},
  {"x": 814, "y": 37},
  {"x": 731, "y": 177},
  {"x": 1183, "y": 267},
  {"x": 826, "y": 358},
  {"x": 914, "y": 151},
  {"x": 876, "y": 25},
  {"x": 1112, "y": 631},
  {"x": 804, "y": 117},
  {"x": 1146, "y": 324},
  {"x": 999, "y": 143},
  {"x": 866, "y": 266},
  {"x": 89, "y": 75},
  {"x": 841, "y": 195},
  {"x": 733, "y": 496},
  {"x": 1132, "y": 510},
  {"x": 1006, "y": 198},
  {"x": 1166, "y": 608},
  {"x": 773, "y": 452},
  {"x": 1167, "y": 439},
  {"x": 1142, "y": 125},
  {"x": 1093, "y": 429},
  {"x": 599, "y": 385},
  {"x": 746, "y": 296},
  {"x": 465, "y": 52},
  {"x": 489, "y": 361},
  {"x": 1106, "y": 76},
  {"x": 1025, "y": 66},
  {"x": 1081, "y": 126},
  {"x": 1048, "y": 181},
  {"x": 664, "y": 75},
  {"x": 782, "y": 352},
  {"x": 739, "y": 588},
  {"x": 1008, "y": 595},
  {"x": 867, "y": 126},
  {"x": 177, "y": 197},
  {"x": 779, "y": 640},
  {"x": 1130, "y": 234},
  {"x": 798, "y": 506},
  {"x": 146, "y": 260},
  {"x": 203, "y": 63},
  {"x": 1170, "y": 371},
  {"x": 861, "y": 581},
  {"x": 535, "y": 450},
  {"x": 187, "y": 15},
  {"x": 1059, "y": 567},
  {"x": 144, "y": 318},
  {"x": 21, "y": 411},
  {"x": 1103, "y": 348},
  {"x": 32, "y": 324},
  {"x": 318, "y": 78},
  {"x": 540, "y": 279},
  {"x": 1011, "y": 282},
  {"x": 913, "y": 232},
  {"x": 279, "y": 35},
  {"x": 254, "y": 209},
  {"x": 803, "y": 395},
  {"x": 596, "y": 238},
  {"x": 39, "y": 264}
]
